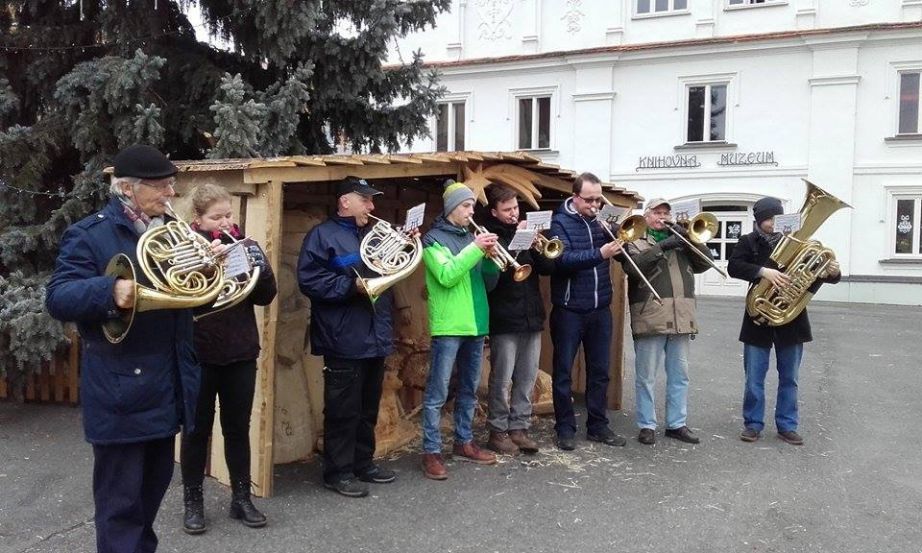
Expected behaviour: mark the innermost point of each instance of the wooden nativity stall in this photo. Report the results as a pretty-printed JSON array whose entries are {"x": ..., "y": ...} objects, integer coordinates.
[{"x": 277, "y": 201}]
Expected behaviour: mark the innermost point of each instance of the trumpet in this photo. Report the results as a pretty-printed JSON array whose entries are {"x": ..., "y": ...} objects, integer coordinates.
[
  {"x": 632, "y": 228},
  {"x": 701, "y": 228},
  {"x": 503, "y": 259},
  {"x": 550, "y": 248}
]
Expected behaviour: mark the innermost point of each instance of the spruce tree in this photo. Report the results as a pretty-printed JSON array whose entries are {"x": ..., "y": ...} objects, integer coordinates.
[{"x": 80, "y": 79}]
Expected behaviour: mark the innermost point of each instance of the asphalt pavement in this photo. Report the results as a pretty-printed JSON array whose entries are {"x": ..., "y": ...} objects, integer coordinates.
[{"x": 855, "y": 486}]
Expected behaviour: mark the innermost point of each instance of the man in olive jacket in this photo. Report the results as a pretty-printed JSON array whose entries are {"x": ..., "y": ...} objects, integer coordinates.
[{"x": 662, "y": 332}]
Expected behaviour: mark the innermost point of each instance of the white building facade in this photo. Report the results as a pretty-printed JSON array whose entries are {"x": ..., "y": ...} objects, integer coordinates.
[{"x": 722, "y": 101}]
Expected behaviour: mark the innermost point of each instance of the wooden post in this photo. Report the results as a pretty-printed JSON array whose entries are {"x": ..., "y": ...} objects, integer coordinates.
[{"x": 616, "y": 369}]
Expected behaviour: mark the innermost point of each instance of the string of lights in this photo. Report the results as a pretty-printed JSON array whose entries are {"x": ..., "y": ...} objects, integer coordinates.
[
  {"x": 4, "y": 186},
  {"x": 84, "y": 47}
]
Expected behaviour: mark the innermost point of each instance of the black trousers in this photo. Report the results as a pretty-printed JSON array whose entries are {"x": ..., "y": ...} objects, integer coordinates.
[
  {"x": 351, "y": 395},
  {"x": 234, "y": 384},
  {"x": 129, "y": 481}
]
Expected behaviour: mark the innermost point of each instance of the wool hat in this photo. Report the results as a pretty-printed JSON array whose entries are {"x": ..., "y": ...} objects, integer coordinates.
[
  {"x": 766, "y": 208},
  {"x": 655, "y": 203},
  {"x": 357, "y": 185},
  {"x": 142, "y": 162},
  {"x": 454, "y": 195}
]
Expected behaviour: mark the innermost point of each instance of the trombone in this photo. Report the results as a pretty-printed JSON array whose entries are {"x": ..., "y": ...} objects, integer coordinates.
[
  {"x": 631, "y": 229},
  {"x": 502, "y": 257},
  {"x": 701, "y": 228}
]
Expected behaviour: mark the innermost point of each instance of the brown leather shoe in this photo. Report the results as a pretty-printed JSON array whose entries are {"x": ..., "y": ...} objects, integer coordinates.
[
  {"x": 791, "y": 437},
  {"x": 525, "y": 444},
  {"x": 470, "y": 452},
  {"x": 434, "y": 466},
  {"x": 500, "y": 443}
]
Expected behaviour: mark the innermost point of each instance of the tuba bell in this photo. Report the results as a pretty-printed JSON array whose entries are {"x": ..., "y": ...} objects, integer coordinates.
[
  {"x": 180, "y": 266},
  {"x": 802, "y": 259},
  {"x": 390, "y": 252}
]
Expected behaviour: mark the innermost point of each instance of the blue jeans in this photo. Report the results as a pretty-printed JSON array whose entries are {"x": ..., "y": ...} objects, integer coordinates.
[
  {"x": 445, "y": 350},
  {"x": 651, "y": 352},
  {"x": 593, "y": 330},
  {"x": 755, "y": 362}
]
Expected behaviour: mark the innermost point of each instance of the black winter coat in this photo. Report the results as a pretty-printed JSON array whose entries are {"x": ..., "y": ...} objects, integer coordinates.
[
  {"x": 749, "y": 256},
  {"x": 517, "y": 306},
  {"x": 230, "y": 335}
]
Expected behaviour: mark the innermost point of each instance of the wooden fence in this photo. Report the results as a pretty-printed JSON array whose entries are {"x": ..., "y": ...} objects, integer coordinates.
[{"x": 58, "y": 381}]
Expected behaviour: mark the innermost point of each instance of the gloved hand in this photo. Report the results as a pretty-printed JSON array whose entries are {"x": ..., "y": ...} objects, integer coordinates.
[
  {"x": 671, "y": 243},
  {"x": 681, "y": 229},
  {"x": 256, "y": 256}
]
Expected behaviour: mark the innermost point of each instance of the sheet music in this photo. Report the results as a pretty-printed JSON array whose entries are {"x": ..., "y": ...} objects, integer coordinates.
[
  {"x": 236, "y": 262},
  {"x": 613, "y": 214},
  {"x": 415, "y": 216},
  {"x": 787, "y": 223},
  {"x": 522, "y": 240},
  {"x": 685, "y": 210},
  {"x": 538, "y": 220}
]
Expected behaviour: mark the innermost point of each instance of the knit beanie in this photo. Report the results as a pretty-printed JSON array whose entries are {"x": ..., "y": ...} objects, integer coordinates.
[
  {"x": 455, "y": 194},
  {"x": 766, "y": 208}
]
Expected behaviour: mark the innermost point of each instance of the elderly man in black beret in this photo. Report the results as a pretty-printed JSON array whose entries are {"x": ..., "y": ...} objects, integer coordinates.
[{"x": 136, "y": 393}]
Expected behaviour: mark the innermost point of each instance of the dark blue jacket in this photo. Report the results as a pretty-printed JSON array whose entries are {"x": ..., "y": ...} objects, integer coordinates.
[
  {"x": 581, "y": 280},
  {"x": 343, "y": 321},
  {"x": 144, "y": 387}
]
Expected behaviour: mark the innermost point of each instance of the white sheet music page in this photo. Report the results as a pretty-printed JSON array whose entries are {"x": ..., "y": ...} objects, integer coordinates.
[
  {"x": 415, "y": 216},
  {"x": 522, "y": 240},
  {"x": 236, "y": 262},
  {"x": 538, "y": 220}
]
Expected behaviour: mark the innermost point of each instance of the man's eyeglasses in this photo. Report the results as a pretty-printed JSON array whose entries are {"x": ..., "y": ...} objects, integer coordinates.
[
  {"x": 161, "y": 184},
  {"x": 596, "y": 200}
]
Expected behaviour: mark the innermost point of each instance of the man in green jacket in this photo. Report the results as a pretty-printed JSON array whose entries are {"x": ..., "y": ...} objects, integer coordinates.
[{"x": 459, "y": 319}]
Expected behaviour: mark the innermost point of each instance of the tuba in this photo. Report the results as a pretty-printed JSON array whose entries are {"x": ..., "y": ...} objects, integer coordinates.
[
  {"x": 802, "y": 259},
  {"x": 180, "y": 266},
  {"x": 390, "y": 252}
]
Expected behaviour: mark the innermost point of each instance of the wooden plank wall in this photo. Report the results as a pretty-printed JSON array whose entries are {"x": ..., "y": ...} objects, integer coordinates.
[{"x": 57, "y": 382}]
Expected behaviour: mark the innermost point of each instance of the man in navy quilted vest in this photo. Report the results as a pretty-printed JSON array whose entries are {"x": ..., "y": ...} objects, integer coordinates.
[{"x": 581, "y": 295}]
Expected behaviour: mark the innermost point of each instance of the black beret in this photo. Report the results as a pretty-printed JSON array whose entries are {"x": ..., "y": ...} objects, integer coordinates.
[{"x": 142, "y": 162}]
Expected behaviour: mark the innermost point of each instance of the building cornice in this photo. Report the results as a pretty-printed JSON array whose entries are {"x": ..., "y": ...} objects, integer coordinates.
[{"x": 834, "y": 37}]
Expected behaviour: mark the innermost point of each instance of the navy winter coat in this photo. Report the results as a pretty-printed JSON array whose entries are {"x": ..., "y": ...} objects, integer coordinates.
[
  {"x": 343, "y": 321},
  {"x": 581, "y": 280},
  {"x": 144, "y": 387}
]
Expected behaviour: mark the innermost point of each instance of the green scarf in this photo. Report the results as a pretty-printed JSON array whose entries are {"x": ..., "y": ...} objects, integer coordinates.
[{"x": 658, "y": 235}]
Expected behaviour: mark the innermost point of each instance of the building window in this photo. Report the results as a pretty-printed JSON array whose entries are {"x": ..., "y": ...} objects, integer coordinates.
[
  {"x": 707, "y": 113},
  {"x": 905, "y": 223},
  {"x": 534, "y": 128},
  {"x": 658, "y": 6},
  {"x": 449, "y": 127},
  {"x": 910, "y": 122},
  {"x": 749, "y": 2}
]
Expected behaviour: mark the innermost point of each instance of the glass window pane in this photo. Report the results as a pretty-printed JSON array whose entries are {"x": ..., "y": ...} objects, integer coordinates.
[
  {"x": 904, "y": 226},
  {"x": 909, "y": 103},
  {"x": 459, "y": 125},
  {"x": 680, "y": 4},
  {"x": 662, "y": 5},
  {"x": 544, "y": 122},
  {"x": 718, "y": 112},
  {"x": 734, "y": 229},
  {"x": 441, "y": 128},
  {"x": 733, "y": 2},
  {"x": 643, "y": 6},
  {"x": 525, "y": 123},
  {"x": 695, "y": 114},
  {"x": 715, "y": 250}
]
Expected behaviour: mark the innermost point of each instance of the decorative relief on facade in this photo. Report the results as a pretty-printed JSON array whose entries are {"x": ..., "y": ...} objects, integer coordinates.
[
  {"x": 573, "y": 17},
  {"x": 494, "y": 19},
  {"x": 856, "y": 3}
]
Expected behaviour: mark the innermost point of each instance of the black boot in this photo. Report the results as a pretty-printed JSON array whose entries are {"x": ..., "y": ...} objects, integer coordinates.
[
  {"x": 242, "y": 508},
  {"x": 193, "y": 521}
]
